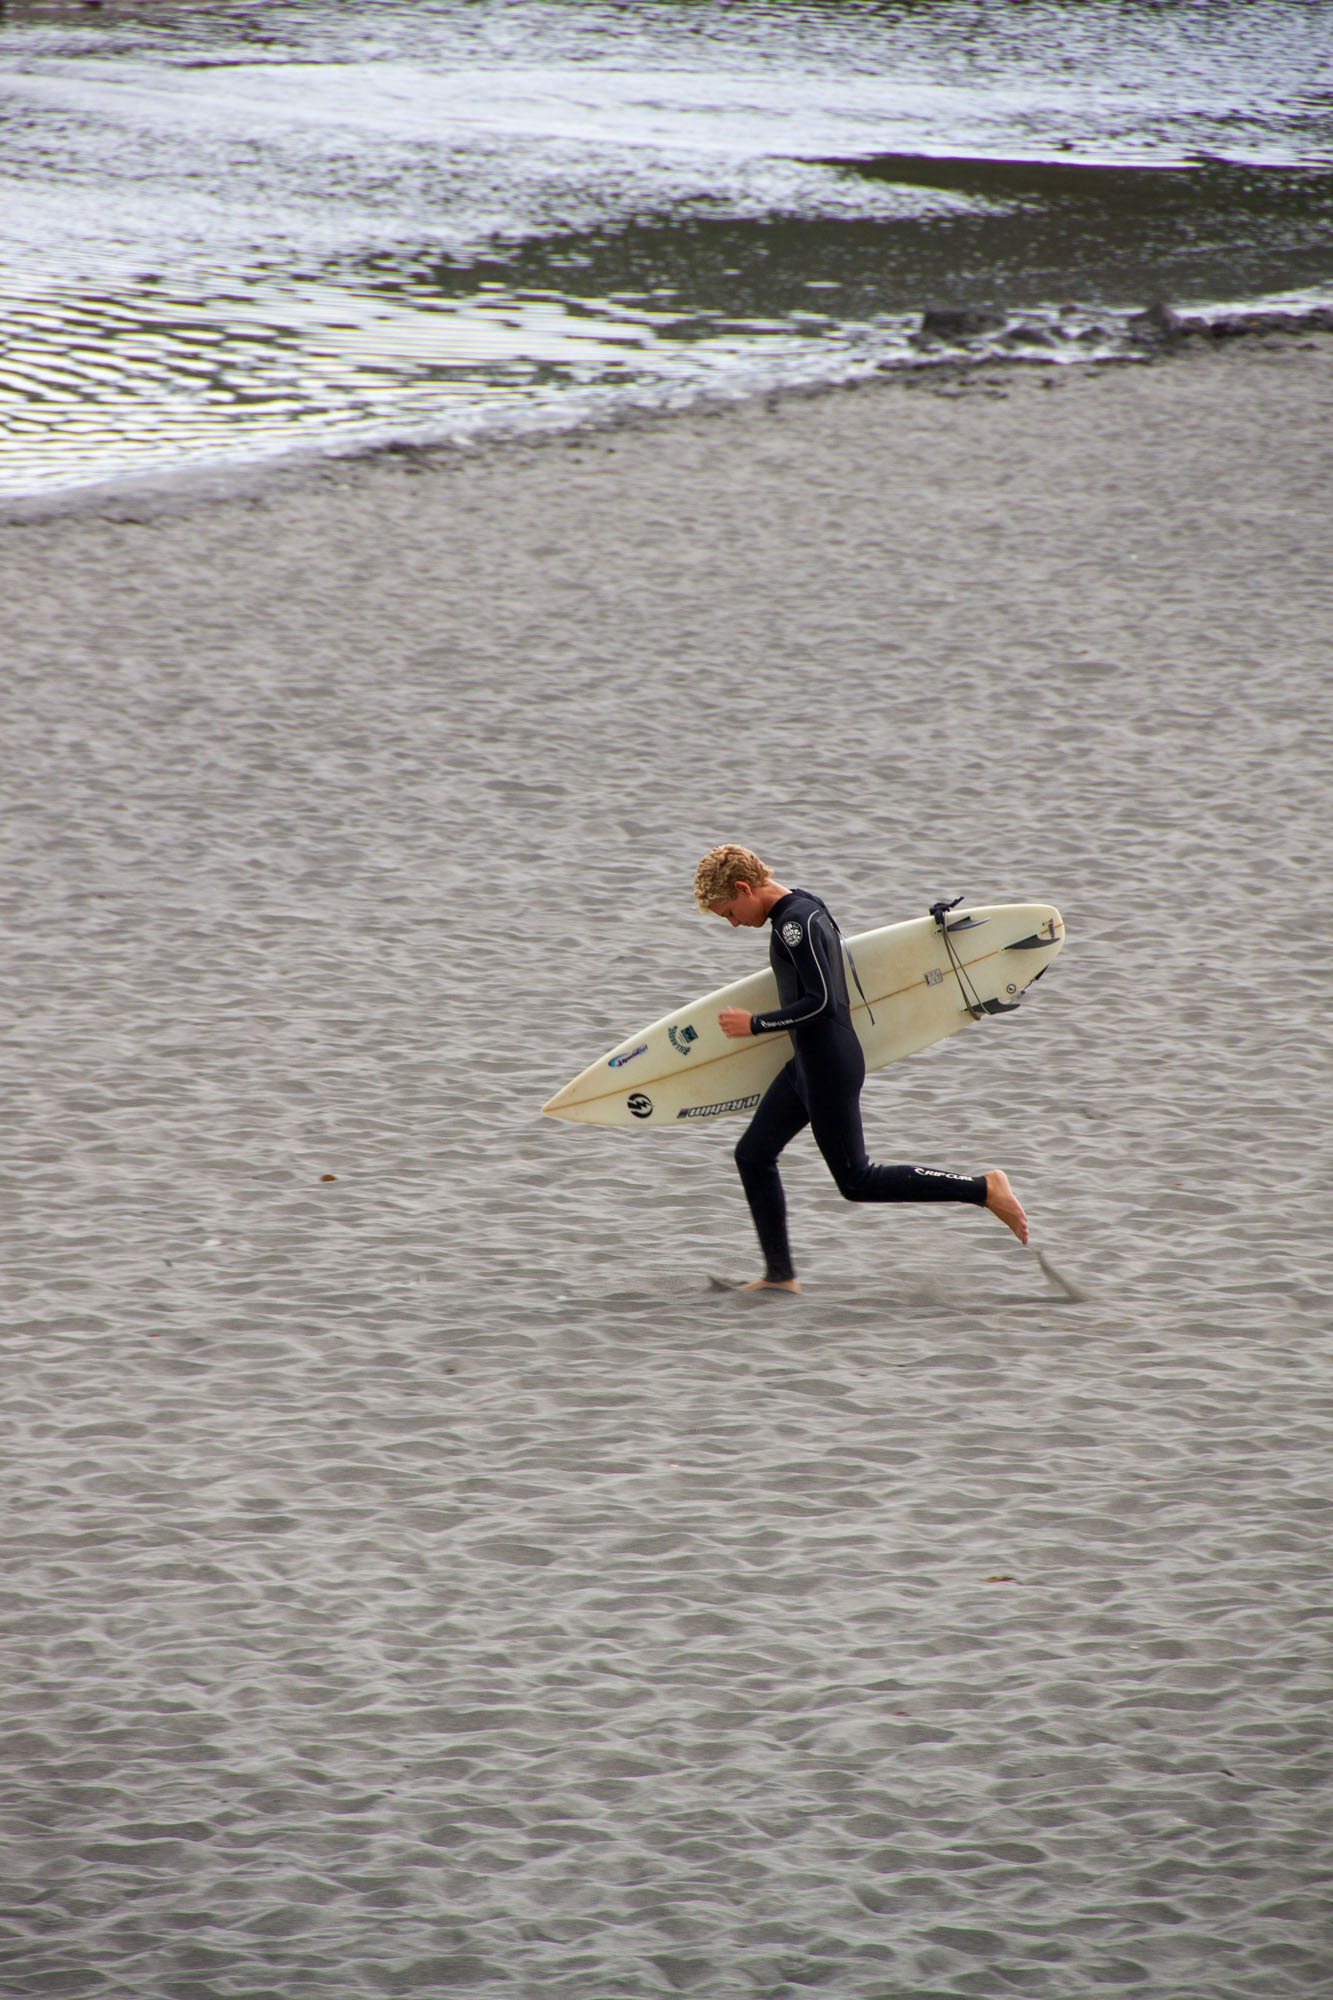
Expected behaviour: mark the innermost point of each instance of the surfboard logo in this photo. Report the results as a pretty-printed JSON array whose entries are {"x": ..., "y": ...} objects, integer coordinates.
[
  {"x": 792, "y": 932},
  {"x": 681, "y": 1039},
  {"x": 618, "y": 1062},
  {"x": 718, "y": 1110},
  {"x": 640, "y": 1105}
]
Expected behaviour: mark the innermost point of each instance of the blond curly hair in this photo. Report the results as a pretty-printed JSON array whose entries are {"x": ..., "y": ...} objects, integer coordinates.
[{"x": 717, "y": 875}]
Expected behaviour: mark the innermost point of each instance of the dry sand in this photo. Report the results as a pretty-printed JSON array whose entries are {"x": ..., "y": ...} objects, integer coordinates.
[{"x": 419, "y": 1581}]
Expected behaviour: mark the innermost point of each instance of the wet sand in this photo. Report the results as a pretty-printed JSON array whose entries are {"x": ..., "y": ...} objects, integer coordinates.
[{"x": 419, "y": 1581}]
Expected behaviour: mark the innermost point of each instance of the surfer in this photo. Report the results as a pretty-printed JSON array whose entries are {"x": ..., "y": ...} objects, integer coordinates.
[{"x": 821, "y": 1085}]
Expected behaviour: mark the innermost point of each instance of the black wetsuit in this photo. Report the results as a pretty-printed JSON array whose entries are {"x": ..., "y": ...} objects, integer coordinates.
[{"x": 820, "y": 1086}]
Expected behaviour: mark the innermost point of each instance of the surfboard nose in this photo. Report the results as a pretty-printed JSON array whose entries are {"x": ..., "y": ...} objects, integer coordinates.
[{"x": 567, "y": 1103}]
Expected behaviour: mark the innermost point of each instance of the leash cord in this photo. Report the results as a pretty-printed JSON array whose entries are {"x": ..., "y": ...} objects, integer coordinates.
[{"x": 972, "y": 1001}]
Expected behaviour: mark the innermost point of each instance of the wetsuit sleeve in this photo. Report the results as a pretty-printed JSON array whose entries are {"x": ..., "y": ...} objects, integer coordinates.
[{"x": 805, "y": 945}]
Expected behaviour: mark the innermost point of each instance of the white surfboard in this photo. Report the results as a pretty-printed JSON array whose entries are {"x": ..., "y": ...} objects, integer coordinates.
[{"x": 921, "y": 981}]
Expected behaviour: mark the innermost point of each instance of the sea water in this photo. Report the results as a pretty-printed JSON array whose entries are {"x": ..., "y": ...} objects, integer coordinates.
[{"x": 228, "y": 236}]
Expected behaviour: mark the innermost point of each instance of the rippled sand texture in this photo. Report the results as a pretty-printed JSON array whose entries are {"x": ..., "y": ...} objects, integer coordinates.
[{"x": 418, "y": 1581}]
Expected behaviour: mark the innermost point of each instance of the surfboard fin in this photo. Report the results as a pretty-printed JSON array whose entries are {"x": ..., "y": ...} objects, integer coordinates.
[{"x": 941, "y": 910}]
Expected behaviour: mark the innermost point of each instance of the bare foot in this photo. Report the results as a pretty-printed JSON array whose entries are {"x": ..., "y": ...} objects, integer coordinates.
[
  {"x": 772, "y": 1285},
  {"x": 1002, "y": 1201}
]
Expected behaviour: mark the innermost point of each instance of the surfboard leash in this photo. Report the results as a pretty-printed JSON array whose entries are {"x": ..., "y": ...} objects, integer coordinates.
[
  {"x": 973, "y": 1003},
  {"x": 857, "y": 977},
  {"x": 847, "y": 954}
]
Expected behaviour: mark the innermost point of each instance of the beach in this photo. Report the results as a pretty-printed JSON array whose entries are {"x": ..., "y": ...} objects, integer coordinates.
[{"x": 419, "y": 1580}]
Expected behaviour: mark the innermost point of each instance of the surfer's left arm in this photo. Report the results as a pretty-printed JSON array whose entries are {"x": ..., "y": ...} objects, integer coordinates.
[
  {"x": 799, "y": 943},
  {"x": 734, "y": 1021}
]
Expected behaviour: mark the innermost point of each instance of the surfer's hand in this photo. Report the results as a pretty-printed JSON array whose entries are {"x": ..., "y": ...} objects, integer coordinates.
[{"x": 734, "y": 1021}]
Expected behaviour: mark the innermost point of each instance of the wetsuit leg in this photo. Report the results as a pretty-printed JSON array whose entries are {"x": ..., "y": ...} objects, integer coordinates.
[
  {"x": 781, "y": 1115},
  {"x": 831, "y": 1079}
]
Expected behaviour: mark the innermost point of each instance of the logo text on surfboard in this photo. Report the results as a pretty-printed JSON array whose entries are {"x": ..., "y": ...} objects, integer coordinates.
[
  {"x": 618, "y": 1062},
  {"x": 719, "y": 1110}
]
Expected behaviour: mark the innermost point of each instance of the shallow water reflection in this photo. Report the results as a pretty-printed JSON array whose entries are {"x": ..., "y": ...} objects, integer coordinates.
[{"x": 231, "y": 236}]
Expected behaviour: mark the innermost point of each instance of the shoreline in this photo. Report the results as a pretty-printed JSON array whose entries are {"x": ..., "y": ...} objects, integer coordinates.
[{"x": 1160, "y": 332}]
